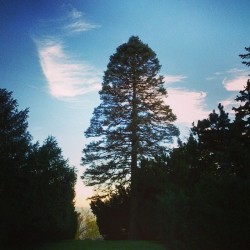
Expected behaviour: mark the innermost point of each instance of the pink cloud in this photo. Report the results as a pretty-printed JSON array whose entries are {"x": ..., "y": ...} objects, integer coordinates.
[
  {"x": 236, "y": 83},
  {"x": 189, "y": 106}
]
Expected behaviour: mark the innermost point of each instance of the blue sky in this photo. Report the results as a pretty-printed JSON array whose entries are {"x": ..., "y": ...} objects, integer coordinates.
[{"x": 53, "y": 55}]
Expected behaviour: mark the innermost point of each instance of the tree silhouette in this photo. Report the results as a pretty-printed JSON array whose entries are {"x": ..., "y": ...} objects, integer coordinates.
[
  {"x": 214, "y": 137},
  {"x": 15, "y": 141},
  {"x": 131, "y": 123},
  {"x": 36, "y": 183},
  {"x": 51, "y": 194},
  {"x": 241, "y": 131},
  {"x": 246, "y": 56}
]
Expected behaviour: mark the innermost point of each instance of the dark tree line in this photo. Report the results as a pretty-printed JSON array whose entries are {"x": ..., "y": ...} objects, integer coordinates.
[
  {"x": 197, "y": 195},
  {"x": 36, "y": 182}
]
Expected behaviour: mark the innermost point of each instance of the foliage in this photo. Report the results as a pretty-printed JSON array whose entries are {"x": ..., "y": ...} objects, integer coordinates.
[
  {"x": 131, "y": 123},
  {"x": 220, "y": 206},
  {"x": 86, "y": 226},
  {"x": 214, "y": 137},
  {"x": 151, "y": 179},
  {"x": 112, "y": 214},
  {"x": 14, "y": 148},
  {"x": 132, "y": 120},
  {"x": 32, "y": 181},
  {"x": 51, "y": 176},
  {"x": 246, "y": 56},
  {"x": 197, "y": 196},
  {"x": 213, "y": 216},
  {"x": 206, "y": 204},
  {"x": 241, "y": 131}
]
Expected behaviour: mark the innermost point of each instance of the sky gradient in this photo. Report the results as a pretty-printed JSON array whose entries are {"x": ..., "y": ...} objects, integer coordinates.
[{"x": 53, "y": 55}]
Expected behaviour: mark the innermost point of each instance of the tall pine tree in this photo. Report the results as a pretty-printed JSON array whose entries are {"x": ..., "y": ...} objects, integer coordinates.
[{"x": 131, "y": 123}]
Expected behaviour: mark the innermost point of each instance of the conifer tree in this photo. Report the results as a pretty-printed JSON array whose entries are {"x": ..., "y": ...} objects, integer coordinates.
[
  {"x": 241, "y": 132},
  {"x": 213, "y": 135},
  {"x": 241, "y": 126},
  {"x": 15, "y": 142},
  {"x": 246, "y": 56},
  {"x": 131, "y": 123}
]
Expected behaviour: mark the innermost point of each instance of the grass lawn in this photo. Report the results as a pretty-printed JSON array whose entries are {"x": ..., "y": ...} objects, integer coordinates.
[{"x": 102, "y": 245}]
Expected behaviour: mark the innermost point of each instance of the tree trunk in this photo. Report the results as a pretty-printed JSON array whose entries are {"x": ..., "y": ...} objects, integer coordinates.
[
  {"x": 133, "y": 226},
  {"x": 133, "y": 231}
]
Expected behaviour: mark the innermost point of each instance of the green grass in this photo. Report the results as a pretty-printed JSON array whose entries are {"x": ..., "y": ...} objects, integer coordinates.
[{"x": 102, "y": 245}]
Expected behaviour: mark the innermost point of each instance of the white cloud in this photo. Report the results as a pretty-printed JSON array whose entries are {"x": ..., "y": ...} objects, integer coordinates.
[
  {"x": 235, "y": 83},
  {"x": 234, "y": 71},
  {"x": 188, "y": 106},
  {"x": 80, "y": 26},
  {"x": 74, "y": 13},
  {"x": 76, "y": 23},
  {"x": 168, "y": 79},
  {"x": 66, "y": 77}
]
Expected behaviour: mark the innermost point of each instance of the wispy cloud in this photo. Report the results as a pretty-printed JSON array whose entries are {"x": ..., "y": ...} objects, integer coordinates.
[
  {"x": 66, "y": 77},
  {"x": 168, "y": 79},
  {"x": 189, "y": 106},
  {"x": 76, "y": 22}
]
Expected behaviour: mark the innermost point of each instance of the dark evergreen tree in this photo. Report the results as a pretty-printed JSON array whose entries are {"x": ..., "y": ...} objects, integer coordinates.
[
  {"x": 131, "y": 123},
  {"x": 51, "y": 200},
  {"x": 15, "y": 142},
  {"x": 241, "y": 127},
  {"x": 183, "y": 164},
  {"x": 152, "y": 177},
  {"x": 242, "y": 112},
  {"x": 241, "y": 132},
  {"x": 246, "y": 56},
  {"x": 214, "y": 137},
  {"x": 206, "y": 202},
  {"x": 36, "y": 183},
  {"x": 112, "y": 214}
]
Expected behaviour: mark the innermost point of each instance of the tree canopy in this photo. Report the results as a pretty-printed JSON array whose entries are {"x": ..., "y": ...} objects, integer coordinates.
[
  {"x": 15, "y": 141},
  {"x": 36, "y": 182},
  {"x": 132, "y": 122},
  {"x": 197, "y": 195},
  {"x": 51, "y": 194}
]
